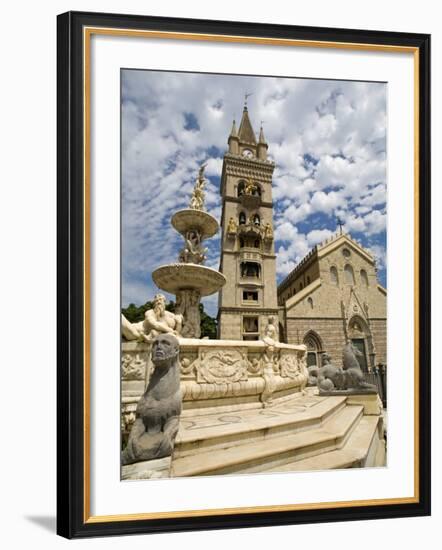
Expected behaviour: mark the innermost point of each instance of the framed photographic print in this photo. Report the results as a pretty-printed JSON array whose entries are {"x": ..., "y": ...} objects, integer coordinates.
[{"x": 243, "y": 274}]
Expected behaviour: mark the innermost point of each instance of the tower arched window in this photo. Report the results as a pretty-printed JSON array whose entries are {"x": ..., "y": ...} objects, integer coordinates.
[
  {"x": 364, "y": 277},
  {"x": 242, "y": 218},
  {"x": 349, "y": 275},
  {"x": 256, "y": 219},
  {"x": 250, "y": 269},
  {"x": 241, "y": 187},
  {"x": 334, "y": 276}
]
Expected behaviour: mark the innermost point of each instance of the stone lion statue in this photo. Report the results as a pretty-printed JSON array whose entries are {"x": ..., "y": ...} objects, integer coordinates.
[
  {"x": 354, "y": 377},
  {"x": 313, "y": 372},
  {"x": 156, "y": 321},
  {"x": 330, "y": 377},
  {"x": 157, "y": 415},
  {"x": 349, "y": 378}
]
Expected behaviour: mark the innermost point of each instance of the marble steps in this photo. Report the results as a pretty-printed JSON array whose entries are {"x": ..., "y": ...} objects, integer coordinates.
[
  {"x": 254, "y": 426},
  {"x": 274, "y": 452},
  {"x": 362, "y": 449}
]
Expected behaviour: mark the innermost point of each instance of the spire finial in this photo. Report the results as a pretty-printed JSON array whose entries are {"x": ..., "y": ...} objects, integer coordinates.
[
  {"x": 246, "y": 97},
  {"x": 233, "y": 131},
  {"x": 261, "y": 138}
]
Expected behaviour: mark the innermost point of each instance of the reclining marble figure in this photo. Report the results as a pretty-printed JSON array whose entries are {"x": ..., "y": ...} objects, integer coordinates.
[
  {"x": 156, "y": 321},
  {"x": 158, "y": 411}
]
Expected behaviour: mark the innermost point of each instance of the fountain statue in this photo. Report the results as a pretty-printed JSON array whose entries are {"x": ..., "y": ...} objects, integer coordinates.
[
  {"x": 156, "y": 321},
  {"x": 189, "y": 279}
]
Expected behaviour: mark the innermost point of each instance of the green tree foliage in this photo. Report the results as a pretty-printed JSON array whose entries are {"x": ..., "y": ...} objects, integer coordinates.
[
  {"x": 134, "y": 314},
  {"x": 208, "y": 324}
]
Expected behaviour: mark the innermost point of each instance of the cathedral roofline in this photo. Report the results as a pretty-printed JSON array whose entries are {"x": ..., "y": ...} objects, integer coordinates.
[
  {"x": 382, "y": 289},
  {"x": 303, "y": 293},
  {"x": 297, "y": 269},
  {"x": 319, "y": 251},
  {"x": 330, "y": 244}
]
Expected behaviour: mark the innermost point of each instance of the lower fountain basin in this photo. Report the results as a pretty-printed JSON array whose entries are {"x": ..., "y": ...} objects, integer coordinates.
[{"x": 180, "y": 276}]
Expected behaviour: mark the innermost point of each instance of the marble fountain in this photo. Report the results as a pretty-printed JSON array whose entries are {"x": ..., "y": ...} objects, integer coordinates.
[
  {"x": 236, "y": 394},
  {"x": 215, "y": 374}
]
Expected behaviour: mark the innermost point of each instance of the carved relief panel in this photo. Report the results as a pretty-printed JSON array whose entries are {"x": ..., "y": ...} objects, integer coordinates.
[{"x": 222, "y": 366}]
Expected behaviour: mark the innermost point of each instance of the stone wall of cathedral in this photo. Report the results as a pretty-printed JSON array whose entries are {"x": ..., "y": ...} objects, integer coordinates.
[
  {"x": 344, "y": 301},
  {"x": 379, "y": 331},
  {"x": 330, "y": 333}
]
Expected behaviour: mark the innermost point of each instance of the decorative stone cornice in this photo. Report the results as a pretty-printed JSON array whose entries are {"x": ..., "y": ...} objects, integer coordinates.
[
  {"x": 257, "y": 169},
  {"x": 262, "y": 254},
  {"x": 256, "y": 310},
  {"x": 262, "y": 204}
]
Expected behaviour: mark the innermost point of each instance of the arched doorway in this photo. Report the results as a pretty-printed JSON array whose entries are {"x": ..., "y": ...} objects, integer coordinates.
[
  {"x": 360, "y": 336},
  {"x": 314, "y": 349}
]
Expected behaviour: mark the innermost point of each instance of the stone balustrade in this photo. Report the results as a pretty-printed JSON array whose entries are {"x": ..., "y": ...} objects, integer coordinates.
[{"x": 221, "y": 374}]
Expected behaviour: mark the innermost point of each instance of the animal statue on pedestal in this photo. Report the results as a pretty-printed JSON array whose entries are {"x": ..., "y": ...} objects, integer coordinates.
[
  {"x": 354, "y": 377},
  {"x": 158, "y": 411},
  {"x": 330, "y": 377},
  {"x": 349, "y": 378}
]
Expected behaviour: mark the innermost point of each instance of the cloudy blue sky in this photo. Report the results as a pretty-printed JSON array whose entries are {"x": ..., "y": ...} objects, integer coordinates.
[{"x": 327, "y": 138}]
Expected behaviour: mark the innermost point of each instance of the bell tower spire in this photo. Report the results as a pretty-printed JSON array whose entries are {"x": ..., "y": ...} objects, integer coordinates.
[
  {"x": 248, "y": 257},
  {"x": 246, "y": 133}
]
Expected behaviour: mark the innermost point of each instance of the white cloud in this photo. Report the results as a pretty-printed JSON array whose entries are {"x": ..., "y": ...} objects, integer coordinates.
[
  {"x": 326, "y": 202},
  {"x": 380, "y": 254},
  {"x": 317, "y": 236},
  {"x": 375, "y": 221},
  {"x": 285, "y": 231},
  {"x": 326, "y": 137}
]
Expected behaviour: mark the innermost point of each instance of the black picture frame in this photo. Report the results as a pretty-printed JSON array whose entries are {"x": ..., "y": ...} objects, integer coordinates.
[{"x": 73, "y": 520}]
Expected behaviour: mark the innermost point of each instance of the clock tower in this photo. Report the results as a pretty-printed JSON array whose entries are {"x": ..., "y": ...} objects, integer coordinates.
[{"x": 247, "y": 244}]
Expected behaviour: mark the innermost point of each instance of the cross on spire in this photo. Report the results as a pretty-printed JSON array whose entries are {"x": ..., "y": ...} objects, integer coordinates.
[
  {"x": 339, "y": 222},
  {"x": 246, "y": 96}
]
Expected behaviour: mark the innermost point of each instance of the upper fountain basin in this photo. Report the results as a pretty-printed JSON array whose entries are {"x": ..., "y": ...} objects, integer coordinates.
[{"x": 188, "y": 219}]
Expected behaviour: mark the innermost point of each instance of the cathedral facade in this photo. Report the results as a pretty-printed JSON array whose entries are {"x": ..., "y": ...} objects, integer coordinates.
[{"x": 332, "y": 296}]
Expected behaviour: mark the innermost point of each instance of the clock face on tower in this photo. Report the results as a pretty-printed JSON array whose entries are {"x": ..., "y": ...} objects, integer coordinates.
[{"x": 247, "y": 153}]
